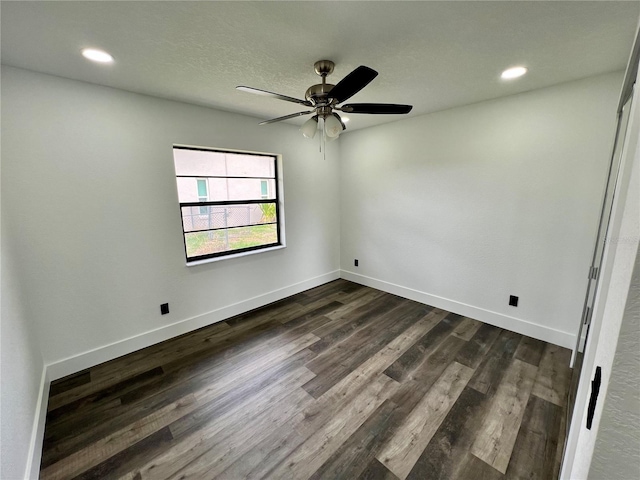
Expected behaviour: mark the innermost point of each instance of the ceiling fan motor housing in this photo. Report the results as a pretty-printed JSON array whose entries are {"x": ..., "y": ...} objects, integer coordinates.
[{"x": 318, "y": 94}]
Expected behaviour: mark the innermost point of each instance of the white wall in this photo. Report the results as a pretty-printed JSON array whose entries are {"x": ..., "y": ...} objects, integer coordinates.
[
  {"x": 21, "y": 374},
  {"x": 464, "y": 207},
  {"x": 88, "y": 174}
]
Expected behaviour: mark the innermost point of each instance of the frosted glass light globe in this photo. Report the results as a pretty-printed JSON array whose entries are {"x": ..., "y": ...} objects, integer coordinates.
[
  {"x": 332, "y": 126},
  {"x": 310, "y": 127}
]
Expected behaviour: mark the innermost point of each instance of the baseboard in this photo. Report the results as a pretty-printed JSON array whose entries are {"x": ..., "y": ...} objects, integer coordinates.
[
  {"x": 99, "y": 355},
  {"x": 523, "y": 327},
  {"x": 37, "y": 433}
]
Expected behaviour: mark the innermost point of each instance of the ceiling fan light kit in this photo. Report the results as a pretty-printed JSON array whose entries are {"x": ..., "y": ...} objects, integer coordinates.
[{"x": 323, "y": 99}]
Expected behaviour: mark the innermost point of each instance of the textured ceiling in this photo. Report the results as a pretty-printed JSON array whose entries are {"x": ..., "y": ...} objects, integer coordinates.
[{"x": 434, "y": 55}]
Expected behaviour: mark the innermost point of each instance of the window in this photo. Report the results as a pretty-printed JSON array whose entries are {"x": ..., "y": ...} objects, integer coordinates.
[{"x": 228, "y": 201}]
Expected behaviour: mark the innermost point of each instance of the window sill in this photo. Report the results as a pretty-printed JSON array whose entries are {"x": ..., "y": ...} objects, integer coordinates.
[{"x": 234, "y": 255}]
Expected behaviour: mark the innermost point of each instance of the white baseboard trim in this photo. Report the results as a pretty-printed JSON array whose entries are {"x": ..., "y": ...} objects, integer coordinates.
[
  {"x": 523, "y": 327},
  {"x": 37, "y": 433},
  {"x": 105, "y": 353}
]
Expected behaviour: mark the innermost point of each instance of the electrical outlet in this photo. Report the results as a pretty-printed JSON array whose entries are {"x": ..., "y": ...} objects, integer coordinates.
[
  {"x": 164, "y": 308},
  {"x": 355, "y": 262},
  {"x": 513, "y": 300}
]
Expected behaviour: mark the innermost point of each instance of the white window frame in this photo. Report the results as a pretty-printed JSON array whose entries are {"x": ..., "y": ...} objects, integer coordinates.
[{"x": 279, "y": 201}]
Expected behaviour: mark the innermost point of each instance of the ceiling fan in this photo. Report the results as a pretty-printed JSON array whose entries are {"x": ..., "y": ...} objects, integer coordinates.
[{"x": 323, "y": 99}]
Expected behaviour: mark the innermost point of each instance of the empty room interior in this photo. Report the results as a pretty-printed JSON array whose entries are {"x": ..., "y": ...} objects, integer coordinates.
[{"x": 326, "y": 239}]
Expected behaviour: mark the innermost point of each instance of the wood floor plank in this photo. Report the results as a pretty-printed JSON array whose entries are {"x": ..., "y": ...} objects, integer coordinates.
[
  {"x": 346, "y": 311},
  {"x": 444, "y": 456},
  {"x": 535, "y": 450},
  {"x": 467, "y": 328},
  {"x": 314, "y": 302},
  {"x": 72, "y": 381},
  {"x": 124, "y": 461},
  {"x": 326, "y": 290},
  {"x": 401, "y": 451},
  {"x": 530, "y": 350},
  {"x": 353, "y": 456},
  {"x": 319, "y": 447},
  {"x": 306, "y": 317},
  {"x": 562, "y": 431},
  {"x": 554, "y": 375},
  {"x": 477, "y": 347},
  {"x": 496, "y": 439},
  {"x": 376, "y": 471},
  {"x": 263, "y": 457},
  {"x": 349, "y": 296},
  {"x": 402, "y": 367},
  {"x": 472, "y": 468},
  {"x": 422, "y": 378},
  {"x": 493, "y": 366},
  {"x": 268, "y": 311}
]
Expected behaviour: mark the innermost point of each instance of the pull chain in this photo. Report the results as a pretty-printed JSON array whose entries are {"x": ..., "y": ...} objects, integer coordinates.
[{"x": 324, "y": 149}]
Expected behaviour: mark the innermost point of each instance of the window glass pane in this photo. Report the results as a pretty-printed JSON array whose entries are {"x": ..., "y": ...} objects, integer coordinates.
[
  {"x": 201, "y": 163},
  {"x": 222, "y": 216},
  {"x": 202, "y": 188},
  {"x": 263, "y": 188},
  {"x": 243, "y": 189},
  {"x": 206, "y": 243},
  {"x": 250, "y": 166},
  {"x": 221, "y": 189}
]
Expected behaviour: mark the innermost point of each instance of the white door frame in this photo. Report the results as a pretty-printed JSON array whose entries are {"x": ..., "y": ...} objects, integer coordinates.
[{"x": 618, "y": 260}]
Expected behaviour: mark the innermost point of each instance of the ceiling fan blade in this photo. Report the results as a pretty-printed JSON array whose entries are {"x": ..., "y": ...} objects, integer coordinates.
[
  {"x": 376, "y": 108},
  {"x": 257, "y": 91},
  {"x": 286, "y": 117},
  {"x": 352, "y": 83}
]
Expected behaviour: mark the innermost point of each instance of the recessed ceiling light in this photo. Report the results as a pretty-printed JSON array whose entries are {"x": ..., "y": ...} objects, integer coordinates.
[
  {"x": 514, "y": 72},
  {"x": 97, "y": 55}
]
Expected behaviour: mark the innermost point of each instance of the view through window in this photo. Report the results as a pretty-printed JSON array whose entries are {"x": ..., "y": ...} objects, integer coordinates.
[{"x": 228, "y": 201}]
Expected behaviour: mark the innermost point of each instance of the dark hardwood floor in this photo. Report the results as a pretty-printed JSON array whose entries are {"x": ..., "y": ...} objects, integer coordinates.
[{"x": 341, "y": 381}]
